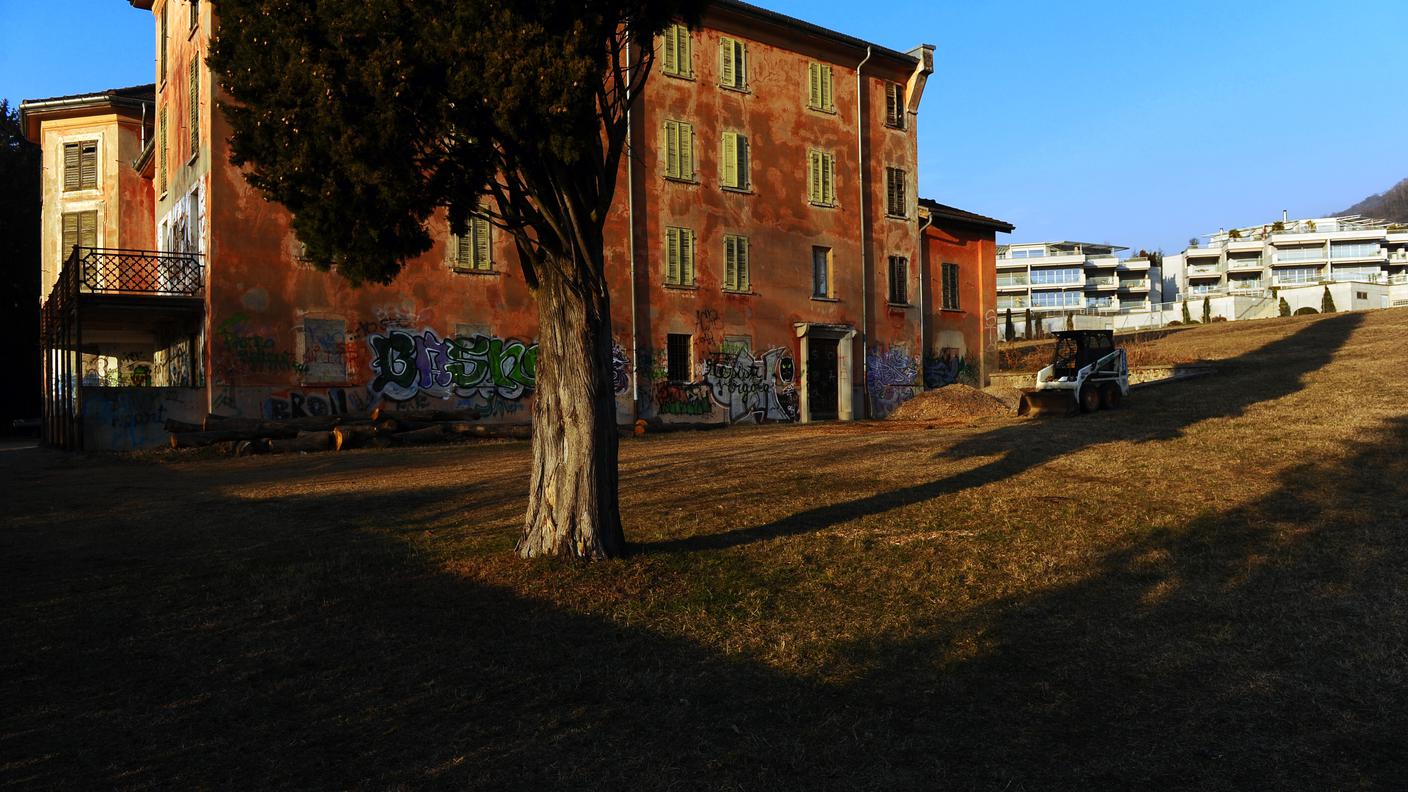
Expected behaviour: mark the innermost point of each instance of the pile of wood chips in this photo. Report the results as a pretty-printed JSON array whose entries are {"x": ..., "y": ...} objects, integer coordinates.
[
  {"x": 955, "y": 403},
  {"x": 379, "y": 429}
]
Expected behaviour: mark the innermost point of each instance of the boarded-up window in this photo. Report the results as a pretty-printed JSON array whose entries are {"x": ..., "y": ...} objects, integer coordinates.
[
  {"x": 474, "y": 251},
  {"x": 79, "y": 228},
  {"x": 81, "y": 165},
  {"x": 679, "y": 52},
  {"x": 679, "y": 257},
  {"x": 679, "y": 150},
  {"x": 678, "y": 363},
  {"x": 894, "y": 105},
  {"x": 819, "y": 87},
  {"x": 195, "y": 106},
  {"x": 896, "y": 192},
  {"x": 950, "y": 285},
  {"x": 899, "y": 280},
  {"x": 324, "y": 345},
  {"x": 733, "y": 64},
  {"x": 734, "y": 161},
  {"x": 821, "y": 177},
  {"x": 736, "y": 263}
]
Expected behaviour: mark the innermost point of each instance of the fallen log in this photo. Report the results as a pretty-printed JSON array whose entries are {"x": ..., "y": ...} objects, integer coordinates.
[
  {"x": 305, "y": 441},
  {"x": 200, "y": 439},
  {"x": 424, "y": 416},
  {"x": 430, "y": 434},
  {"x": 174, "y": 426},
  {"x": 352, "y": 436}
]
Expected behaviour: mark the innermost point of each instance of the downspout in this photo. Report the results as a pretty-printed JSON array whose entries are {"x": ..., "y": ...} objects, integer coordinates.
[
  {"x": 864, "y": 252},
  {"x": 631, "y": 236},
  {"x": 923, "y": 292}
]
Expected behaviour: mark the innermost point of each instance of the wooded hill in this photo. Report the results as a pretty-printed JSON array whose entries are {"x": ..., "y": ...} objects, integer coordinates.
[{"x": 1390, "y": 205}]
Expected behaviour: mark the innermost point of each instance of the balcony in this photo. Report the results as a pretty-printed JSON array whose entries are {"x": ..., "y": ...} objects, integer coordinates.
[
  {"x": 1205, "y": 271},
  {"x": 1062, "y": 259},
  {"x": 1102, "y": 262},
  {"x": 1134, "y": 285},
  {"x": 1245, "y": 263},
  {"x": 1202, "y": 253},
  {"x": 1134, "y": 265},
  {"x": 1101, "y": 283},
  {"x": 1013, "y": 282}
]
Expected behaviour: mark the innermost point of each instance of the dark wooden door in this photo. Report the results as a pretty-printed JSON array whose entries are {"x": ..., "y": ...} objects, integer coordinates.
[{"x": 821, "y": 379}]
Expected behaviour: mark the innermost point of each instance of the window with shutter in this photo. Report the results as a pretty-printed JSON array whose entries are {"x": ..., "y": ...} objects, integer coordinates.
[
  {"x": 819, "y": 87},
  {"x": 821, "y": 272},
  {"x": 736, "y": 263},
  {"x": 161, "y": 165},
  {"x": 821, "y": 178},
  {"x": 899, "y": 280},
  {"x": 733, "y": 64},
  {"x": 195, "y": 106},
  {"x": 950, "y": 287},
  {"x": 474, "y": 250},
  {"x": 895, "y": 193},
  {"x": 195, "y": 13},
  {"x": 679, "y": 150},
  {"x": 679, "y": 59},
  {"x": 81, "y": 165},
  {"x": 894, "y": 105},
  {"x": 733, "y": 160},
  {"x": 79, "y": 228},
  {"x": 161, "y": 66},
  {"x": 679, "y": 257}
]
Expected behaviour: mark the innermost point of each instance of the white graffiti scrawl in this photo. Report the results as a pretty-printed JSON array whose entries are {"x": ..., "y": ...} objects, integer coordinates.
[{"x": 759, "y": 388}]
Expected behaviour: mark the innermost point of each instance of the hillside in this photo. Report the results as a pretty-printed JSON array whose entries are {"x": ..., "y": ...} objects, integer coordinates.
[{"x": 1391, "y": 205}]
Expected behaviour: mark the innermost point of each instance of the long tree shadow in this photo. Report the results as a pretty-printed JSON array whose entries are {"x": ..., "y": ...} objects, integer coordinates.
[
  {"x": 1271, "y": 372},
  {"x": 1258, "y": 648}
]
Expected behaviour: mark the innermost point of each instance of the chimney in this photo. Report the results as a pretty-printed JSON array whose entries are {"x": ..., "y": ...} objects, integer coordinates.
[{"x": 1285, "y": 216}]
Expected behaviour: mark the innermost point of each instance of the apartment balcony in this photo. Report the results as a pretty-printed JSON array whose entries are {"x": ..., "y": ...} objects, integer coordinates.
[
  {"x": 1102, "y": 262},
  {"x": 1128, "y": 285},
  {"x": 1134, "y": 265},
  {"x": 1013, "y": 282},
  {"x": 1368, "y": 258},
  {"x": 1281, "y": 260},
  {"x": 1010, "y": 264},
  {"x": 1205, "y": 271},
  {"x": 1101, "y": 283},
  {"x": 1202, "y": 253},
  {"x": 1061, "y": 260},
  {"x": 1235, "y": 264},
  {"x": 1235, "y": 245}
]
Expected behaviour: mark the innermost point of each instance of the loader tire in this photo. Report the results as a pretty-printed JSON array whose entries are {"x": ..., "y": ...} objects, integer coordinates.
[
  {"x": 1089, "y": 398},
  {"x": 1111, "y": 397}
]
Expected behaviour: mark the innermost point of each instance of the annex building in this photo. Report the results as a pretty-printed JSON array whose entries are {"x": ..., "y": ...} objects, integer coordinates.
[{"x": 768, "y": 255}]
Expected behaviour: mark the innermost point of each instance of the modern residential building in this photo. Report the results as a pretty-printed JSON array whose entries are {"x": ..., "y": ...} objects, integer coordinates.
[
  {"x": 1066, "y": 277},
  {"x": 1296, "y": 259},
  {"x": 792, "y": 283}
]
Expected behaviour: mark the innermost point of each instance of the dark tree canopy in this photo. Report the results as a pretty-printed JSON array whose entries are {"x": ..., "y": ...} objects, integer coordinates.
[
  {"x": 20, "y": 203},
  {"x": 363, "y": 117}
]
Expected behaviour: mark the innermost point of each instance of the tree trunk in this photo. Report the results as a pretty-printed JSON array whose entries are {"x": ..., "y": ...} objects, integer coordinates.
[{"x": 572, "y": 500}]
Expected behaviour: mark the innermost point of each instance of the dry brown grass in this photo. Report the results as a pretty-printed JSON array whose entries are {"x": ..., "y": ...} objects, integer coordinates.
[{"x": 1205, "y": 591}]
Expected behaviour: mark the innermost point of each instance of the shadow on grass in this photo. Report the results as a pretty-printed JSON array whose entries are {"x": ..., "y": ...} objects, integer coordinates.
[
  {"x": 1271, "y": 372},
  {"x": 1261, "y": 648}
]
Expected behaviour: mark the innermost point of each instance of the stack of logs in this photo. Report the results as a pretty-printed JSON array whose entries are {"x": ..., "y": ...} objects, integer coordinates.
[{"x": 380, "y": 429}]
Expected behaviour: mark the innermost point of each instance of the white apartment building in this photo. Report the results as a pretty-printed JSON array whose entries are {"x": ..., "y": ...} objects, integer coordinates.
[
  {"x": 1069, "y": 277},
  {"x": 1364, "y": 261}
]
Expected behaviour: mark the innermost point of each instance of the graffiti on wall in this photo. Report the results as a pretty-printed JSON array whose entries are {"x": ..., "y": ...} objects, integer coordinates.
[
  {"x": 480, "y": 366},
  {"x": 891, "y": 376},
  {"x": 247, "y": 352},
  {"x": 314, "y": 403},
  {"x": 620, "y": 369},
  {"x": 683, "y": 398},
  {"x": 757, "y": 388},
  {"x": 324, "y": 350},
  {"x": 946, "y": 369}
]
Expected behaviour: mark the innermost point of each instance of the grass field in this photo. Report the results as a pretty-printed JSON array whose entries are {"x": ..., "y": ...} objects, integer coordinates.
[{"x": 1205, "y": 590}]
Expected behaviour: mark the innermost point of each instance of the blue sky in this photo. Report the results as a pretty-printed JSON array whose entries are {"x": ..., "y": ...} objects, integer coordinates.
[{"x": 1136, "y": 123}]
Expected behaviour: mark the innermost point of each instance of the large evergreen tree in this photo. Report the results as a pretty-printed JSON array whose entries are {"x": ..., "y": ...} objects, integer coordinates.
[{"x": 366, "y": 117}]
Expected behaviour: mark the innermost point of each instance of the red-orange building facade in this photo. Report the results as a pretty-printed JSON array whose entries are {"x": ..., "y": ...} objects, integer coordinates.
[{"x": 764, "y": 252}]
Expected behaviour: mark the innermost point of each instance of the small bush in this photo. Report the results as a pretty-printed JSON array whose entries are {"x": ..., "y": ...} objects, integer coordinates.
[
  {"x": 1306, "y": 311},
  {"x": 1285, "y": 307}
]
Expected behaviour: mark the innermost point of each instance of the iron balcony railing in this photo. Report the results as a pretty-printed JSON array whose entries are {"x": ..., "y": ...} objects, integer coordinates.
[{"x": 142, "y": 272}]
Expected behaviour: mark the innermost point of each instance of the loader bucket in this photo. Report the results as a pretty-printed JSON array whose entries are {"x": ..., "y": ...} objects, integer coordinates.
[{"x": 1047, "y": 402}]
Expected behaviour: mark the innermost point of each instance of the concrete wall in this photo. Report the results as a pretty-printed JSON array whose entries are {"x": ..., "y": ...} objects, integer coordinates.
[
  {"x": 131, "y": 419},
  {"x": 960, "y": 344}
]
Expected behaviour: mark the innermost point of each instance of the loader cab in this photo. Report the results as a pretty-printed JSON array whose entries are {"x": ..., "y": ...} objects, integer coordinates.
[{"x": 1076, "y": 349}]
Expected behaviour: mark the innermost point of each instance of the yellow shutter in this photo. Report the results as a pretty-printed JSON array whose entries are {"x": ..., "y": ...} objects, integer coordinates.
[
  {"x": 161, "y": 179},
  {"x": 195, "y": 105},
  {"x": 729, "y": 158},
  {"x": 686, "y": 149},
  {"x": 826, "y": 88},
  {"x": 687, "y": 256},
  {"x": 814, "y": 84},
  {"x": 672, "y": 149},
  {"x": 483, "y": 250},
  {"x": 671, "y": 57},
  {"x": 88, "y": 229},
  {"x": 742, "y": 253},
  {"x": 672, "y": 255},
  {"x": 741, "y": 147},
  {"x": 686, "y": 48},
  {"x": 828, "y": 179},
  {"x": 70, "y": 234},
  {"x": 730, "y": 262},
  {"x": 72, "y": 166},
  {"x": 727, "y": 66}
]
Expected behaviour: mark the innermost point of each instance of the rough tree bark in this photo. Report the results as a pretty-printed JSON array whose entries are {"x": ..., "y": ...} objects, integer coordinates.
[{"x": 573, "y": 507}]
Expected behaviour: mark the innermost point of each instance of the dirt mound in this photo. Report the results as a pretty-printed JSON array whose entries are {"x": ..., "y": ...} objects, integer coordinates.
[
  {"x": 1008, "y": 396},
  {"x": 950, "y": 403}
]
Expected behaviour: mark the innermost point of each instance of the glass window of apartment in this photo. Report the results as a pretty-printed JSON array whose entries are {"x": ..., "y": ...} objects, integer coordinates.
[
  {"x": 474, "y": 250},
  {"x": 894, "y": 105},
  {"x": 1012, "y": 302},
  {"x": 1059, "y": 299},
  {"x": 1292, "y": 275},
  {"x": 678, "y": 357},
  {"x": 679, "y": 150},
  {"x": 819, "y": 85},
  {"x": 679, "y": 257},
  {"x": 79, "y": 228},
  {"x": 736, "y": 263},
  {"x": 734, "y": 162},
  {"x": 195, "y": 106},
  {"x": 899, "y": 280},
  {"x": 821, "y": 177},
  {"x": 1354, "y": 249},
  {"x": 1369, "y": 274},
  {"x": 821, "y": 272},
  {"x": 896, "y": 192},
  {"x": 679, "y": 52},
  {"x": 81, "y": 165},
  {"x": 949, "y": 278},
  {"x": 1310, "y": 253},
  {"x": 733, "y": 64},
  {"x": 1055, "y": 277}
]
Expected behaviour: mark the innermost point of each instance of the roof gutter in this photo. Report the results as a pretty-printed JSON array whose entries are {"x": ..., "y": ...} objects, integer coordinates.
[{"x": 865, "y": 267}]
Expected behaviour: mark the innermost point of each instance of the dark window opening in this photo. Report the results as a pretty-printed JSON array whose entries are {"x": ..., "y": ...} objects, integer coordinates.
[
  {"x": 950, "y": 286},
  {"x": 821, "y": 272},
  {"x": 677, "y": 352},
  {"x": 899, "y": 280}
]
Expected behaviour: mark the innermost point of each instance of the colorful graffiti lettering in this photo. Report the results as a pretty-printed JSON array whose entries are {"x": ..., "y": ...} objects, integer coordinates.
[
  {"x": 480, "y": 366},
  {"x": 759, "y": 388},
  {"x": 676, "y": 398},
  {"x": 250, "y": 352},
  {"x": 620, "y": 369},
  {"x": 944, "y": 369},
  {"x": 304, "y": 404},
  {"x": 891, "y": 374}
]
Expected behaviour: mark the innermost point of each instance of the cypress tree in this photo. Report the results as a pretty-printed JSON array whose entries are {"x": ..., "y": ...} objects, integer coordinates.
[
  {"x": 1285, "y": 307},
  {"x": 1187, "y": 317},
  {"x": 1011, "y": 329},
  {"x": 1207, "y": 310},
  {"x": 1030, "y": 328},
  {"x": 1327, "y": 301}
]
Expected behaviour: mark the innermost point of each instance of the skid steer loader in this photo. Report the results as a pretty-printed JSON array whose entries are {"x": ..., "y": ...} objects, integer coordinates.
[{"x": 1087, "y": 373}]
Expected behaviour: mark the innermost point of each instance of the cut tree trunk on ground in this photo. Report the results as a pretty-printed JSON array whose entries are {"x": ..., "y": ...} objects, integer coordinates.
[
  {"x": 572, "y": 499},
  {"x": 283, "y": 428},
  {"x": 424, "y": 416},
  {"x": 201, "y": 439},
  {"x": 430, "y": 434},
  {"x": 305, "y": 441},
  {"x": 175, "y": 427}
]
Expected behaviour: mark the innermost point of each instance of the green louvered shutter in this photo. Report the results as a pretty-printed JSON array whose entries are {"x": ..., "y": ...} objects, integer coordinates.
[
  {"x": 195, "y": 105},
  {"x": 730, "y": 262},
  {"x": 814, "y": 85},
  {"x": 728, "y": 156},
  {"x": 686, "y": 151},
  {"x": 463, "y": 259},
  {"x": 672, "y": 256},
  {"x": 828, "y": 179},
  {"x": 672, "y": 56},
  {"x": 727, "y": 66},
  {"x": 744, "y": 280}
]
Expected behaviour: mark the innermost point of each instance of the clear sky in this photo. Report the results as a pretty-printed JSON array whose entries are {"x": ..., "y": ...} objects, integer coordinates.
[{"x": 1120, "y": 121}]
